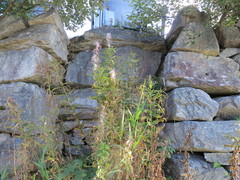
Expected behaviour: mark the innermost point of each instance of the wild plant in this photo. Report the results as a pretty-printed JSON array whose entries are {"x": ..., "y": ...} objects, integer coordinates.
[{"x": 126, "y": 143}]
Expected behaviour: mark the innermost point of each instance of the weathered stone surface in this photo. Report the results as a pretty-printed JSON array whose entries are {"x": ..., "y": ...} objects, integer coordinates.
[
  {"x": 237, "y": 59},
  {"x": 229, "y": 107},
  {"x": 10, "y": 25},
  {"x": 45, "y": 36},
  {"x": 80, "y": 71},
  {"x": 28, "y": 65},
  {"x": 33, "y": 104},
  {"x": 222, "y": 158},
  {"x": 228, "y": 36},
  {"x": 120, "y": 38},
  {"x": 214, "y": 75},
  {"x": 77, "y": 105},
  {"x": 185, "y": 16},
  {"x": 70, "y": 125},
  {"x": 199, "y": 169},
  {"x": 190, "y": 104},
  {"x": 9, "y": 149},
  {"x": 205, "y": 136},
  {"x": 198, "y": 38},
  {"x": 50, "y": 17},
  {"x": 229, "y": 52}
]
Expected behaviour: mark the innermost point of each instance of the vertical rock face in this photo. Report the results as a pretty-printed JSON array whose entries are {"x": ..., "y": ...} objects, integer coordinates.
[
  {"x": 197, "y": 38},
  {"x": 214, "y": 75},
  {"x": 33, "y": 105},
  {"x": 81, "y": 69},
  {"x": 29, "y": 65},
  {"x": 198, "y": 168},
  {"x": 211, "y": 136},
  {"x": 229, "y": 107},
  {"x": 190, "y": 104},
  {"x": 45, "y": 36}
]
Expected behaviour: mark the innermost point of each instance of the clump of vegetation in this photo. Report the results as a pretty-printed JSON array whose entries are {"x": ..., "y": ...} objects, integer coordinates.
[{"x": 127, "y": 144}]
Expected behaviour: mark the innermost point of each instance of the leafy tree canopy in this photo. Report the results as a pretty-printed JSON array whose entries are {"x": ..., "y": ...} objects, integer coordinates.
[{"x": 73, "y": 12}]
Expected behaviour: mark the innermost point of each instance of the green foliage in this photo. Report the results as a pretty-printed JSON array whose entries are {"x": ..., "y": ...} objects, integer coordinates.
[
  {"x": 126, "y": 144},
  {"x": 73, "y": 12}
]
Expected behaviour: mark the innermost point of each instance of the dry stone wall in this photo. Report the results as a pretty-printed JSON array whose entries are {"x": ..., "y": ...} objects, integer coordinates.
[{"x": 200, "y": 74}]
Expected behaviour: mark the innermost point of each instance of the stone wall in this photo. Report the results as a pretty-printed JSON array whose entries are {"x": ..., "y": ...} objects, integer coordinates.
[{"x": 199, "y": 70}]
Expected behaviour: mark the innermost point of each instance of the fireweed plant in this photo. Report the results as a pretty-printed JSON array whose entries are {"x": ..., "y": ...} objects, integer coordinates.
[{"x": 127, "y": 145}]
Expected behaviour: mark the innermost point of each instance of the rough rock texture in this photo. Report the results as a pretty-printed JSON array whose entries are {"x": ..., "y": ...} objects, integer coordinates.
[
  {"x": 185, "y": 16},
  {"x": 50, "y": 17},
  {"x": 228, "y": 37},
  {"x": 9, "y": 149},
  {"x": 229, "y": 52},
  {"x": 214, "y": 75},
  {"x": 222, "y": 158},
  {"x": 198, "y": 38},
  {"x": 205, "y": 136},
  {"x": 199, "y": 169},
  {"x": 80, "y": 71},
  {"x": 237, "y": 59},
  {"x": 120, "y": 37},
  {"x": 190, "y": 104},
  {"x": 32, "y": 102},
  {"x": 78, "y": 105},
  {"x": 70, "y": 125},
  {"x": 28, "y": 65},
  {"x": 45, "y": 36},
  {"x": 229, "y": 107},
  {"x": 10, "y": 25}
]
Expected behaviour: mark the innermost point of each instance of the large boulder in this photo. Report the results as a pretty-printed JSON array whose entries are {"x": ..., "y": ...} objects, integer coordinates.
[
  {"x": 228, "y": 36},
  {"x": 29, "y": 65},
  {"x": 79, "y": 72},
  {"x": 77, "y": 105},
  {"x": 229, "y": 107},
  {"x": 214, "y": 75},
  {"x": 211, "y": 136},
  {"x": 198, "y": 38},
  {"x": 185, "y": 16},
  {"x": 198, "y": 169},
  {"x": 45, "y": 36},
  {"x": 221, "y": 158},
  {"x": 120, "y": 38},
  {"x": 190, "y": 104},
  {"x": 25, "y": 107},
  {"x": 10, "y": 25},
  {"x": 49, "y": 17}
]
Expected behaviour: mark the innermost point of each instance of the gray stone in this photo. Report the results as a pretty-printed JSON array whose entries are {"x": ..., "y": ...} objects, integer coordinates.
[
  {"x": 10, "y": 25},
  {"x": 228, "y": 36},
  {"x": 120, "y": 38},
  {"x": 70, "y": 125},
  {"x": 29, "y": 65},
  {"x": 221, "y": 158},
  {"x": 76, "y": 138},
  {"x": 49, "y": 17},
  {"x": 229, "y": 107},
  {"x": 214, "y": 75},
  {"x": 80, "y": 71},
  {"x": 33, "y": 105},
  {"x": 185, "y": 16},
  {"x": 77, "y": 105},
  {"x": 197, "y": 38},
  {"x": 45, "y": 36},
  {"x": 237, "y": 59},
  {"x": 190, "y": 104},
  {"x": 229, "y": 52},
  {"x": 199, "y": 169},
  {"x": 212, "y": 136}
]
